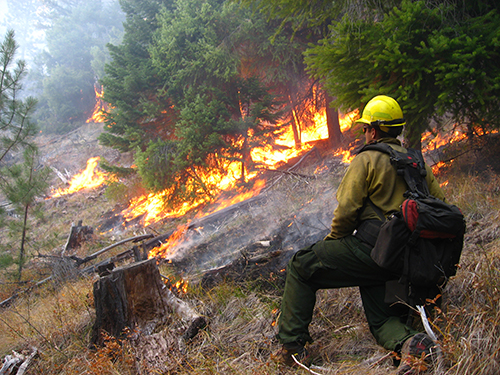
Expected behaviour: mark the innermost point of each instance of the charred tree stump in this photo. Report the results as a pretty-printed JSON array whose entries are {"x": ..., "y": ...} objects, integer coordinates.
[
  {"x": 77, "y": 235},
  {"x": 134, "y": 298}
]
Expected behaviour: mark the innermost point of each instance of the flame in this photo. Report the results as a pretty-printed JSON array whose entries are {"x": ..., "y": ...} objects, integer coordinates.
[
  {"x": 179, "y": 286},
  {"x": 442, "y": 139},
  {"x": 172, "y": 241},
  {"x": 166, "y": 249},
  {"x": 88, "y": 179},
  {"x": 272, "y": 158},
  {"x": 151, "y": 206},
  {"x": 320, "y": 169},
  {"x": 436, "y": 167},
  {"x": 347, "y": 155},
  {"x": 347, "y": 120},
  {"x": 99, "y": 107}
]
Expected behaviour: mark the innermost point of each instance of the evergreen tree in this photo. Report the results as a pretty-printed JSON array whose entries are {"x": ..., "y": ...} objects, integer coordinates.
[
  {"x": 432, "y": 57},
  {"x": 22, "y": 184},
  {"x": 15, "y": 127},
  {"x": 198, "y": 50},
  {"x": 195, "y": 85},
  {"x": 131, "y": 84},
  {"x": 74, "y": 60},
  {"x": 305, "y": 23}
]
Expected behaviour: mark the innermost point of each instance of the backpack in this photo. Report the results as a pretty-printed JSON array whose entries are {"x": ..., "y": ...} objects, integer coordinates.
[{"x": 421, "y": 244}]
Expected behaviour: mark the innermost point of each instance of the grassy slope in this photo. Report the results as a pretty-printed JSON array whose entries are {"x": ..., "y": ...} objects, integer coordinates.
[{"x": 57, "y": 319}]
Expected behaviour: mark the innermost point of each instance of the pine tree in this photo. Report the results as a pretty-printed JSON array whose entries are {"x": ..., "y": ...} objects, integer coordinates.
[
  {"x": 15, "y": 127},
  {"x": 73, "y": 61},
  {"x": 435, "y": 58},
  {"x": 21, "y": 184}
]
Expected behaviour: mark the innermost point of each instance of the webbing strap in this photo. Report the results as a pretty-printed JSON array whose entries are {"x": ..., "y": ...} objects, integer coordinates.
[
  {"x": 410, "y": 166},
  {"x": 377, "y": 210}
]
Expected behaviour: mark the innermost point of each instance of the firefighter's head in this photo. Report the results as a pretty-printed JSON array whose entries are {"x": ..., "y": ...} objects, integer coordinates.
[{"x": 384, "y": 114}]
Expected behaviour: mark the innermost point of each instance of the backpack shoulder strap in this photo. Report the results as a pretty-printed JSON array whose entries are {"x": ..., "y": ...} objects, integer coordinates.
[{"x": 410, "y": 166}]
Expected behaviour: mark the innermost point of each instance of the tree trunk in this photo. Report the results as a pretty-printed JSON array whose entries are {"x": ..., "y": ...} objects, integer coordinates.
[
  {"x": 295, "y": 120},
  {"x": 333, "y": 123},
  {"x": 134, "y": 297},
  {"x": 23, "y": 240}
]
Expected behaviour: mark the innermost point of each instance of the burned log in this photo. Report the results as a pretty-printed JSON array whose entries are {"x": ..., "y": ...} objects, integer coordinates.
[
  {"x": 133, "y": 298},
  {"x": 267, "y": 270},
  {"x": 135, "y": 250}
]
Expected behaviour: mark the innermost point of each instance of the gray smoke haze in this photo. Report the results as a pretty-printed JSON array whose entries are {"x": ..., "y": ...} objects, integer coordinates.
[{"x": 290, "y": 217}]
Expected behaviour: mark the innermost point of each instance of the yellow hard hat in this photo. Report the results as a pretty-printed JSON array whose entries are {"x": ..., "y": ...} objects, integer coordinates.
[{"x": 382, "y": 111}]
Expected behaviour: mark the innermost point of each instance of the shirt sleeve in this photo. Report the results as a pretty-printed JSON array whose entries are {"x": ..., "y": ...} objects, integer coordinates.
[
  {"x": 433, "y": 184},
  {"x": 351, "y": 194}
]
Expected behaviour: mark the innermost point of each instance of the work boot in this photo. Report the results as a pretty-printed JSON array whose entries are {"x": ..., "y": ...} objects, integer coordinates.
[
  {"x": 418, "y": 354},
  {"x": 290, "y": 350}
]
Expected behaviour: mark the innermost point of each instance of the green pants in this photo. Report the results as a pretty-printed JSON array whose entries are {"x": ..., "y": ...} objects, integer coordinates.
[{"x": 337, "y": 264}]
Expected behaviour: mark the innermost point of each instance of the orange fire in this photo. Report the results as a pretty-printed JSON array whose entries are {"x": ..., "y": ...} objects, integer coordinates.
[
  {"x": 436, "y": 167},
  {"x": 272, "y": 158},
  {"x": 430, "y": 141},
  {"x": 265, "y": 155},
  {"x": 90, "y": 178},
  {"x": 180, "y": 286},
  {"x": 152, "y": 207},
  {"x": 347, "y": 155},
  {"x": 98, "y": 113},
  {"x": 179, "y": 235}
]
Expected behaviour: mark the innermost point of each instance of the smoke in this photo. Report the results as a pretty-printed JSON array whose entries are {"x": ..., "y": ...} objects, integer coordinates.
[{"x": 286, "y": 219}]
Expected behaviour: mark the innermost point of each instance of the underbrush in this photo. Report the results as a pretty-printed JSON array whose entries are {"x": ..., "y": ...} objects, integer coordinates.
[{"x": 240, "y": 337}]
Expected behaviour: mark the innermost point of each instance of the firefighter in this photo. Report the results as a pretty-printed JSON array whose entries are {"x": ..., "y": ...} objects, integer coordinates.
[{"x": 343, "y": 259}]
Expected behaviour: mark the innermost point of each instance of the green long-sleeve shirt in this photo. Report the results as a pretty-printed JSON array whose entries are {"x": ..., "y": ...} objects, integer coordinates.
[{"x": 371, "y": 174}]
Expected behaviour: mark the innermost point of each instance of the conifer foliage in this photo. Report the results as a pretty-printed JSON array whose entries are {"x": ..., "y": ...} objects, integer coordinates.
[
  {"x": 15, "y": 127},
  {"x": 436, "y": 58},
  {"x": 190, "y": 92},
  {"x": 21, "y": 183}
]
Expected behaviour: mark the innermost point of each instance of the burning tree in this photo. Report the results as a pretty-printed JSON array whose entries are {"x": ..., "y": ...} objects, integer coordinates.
[
  {"x": 74, "y": 57},
  {"x": 214, "y": 90}
]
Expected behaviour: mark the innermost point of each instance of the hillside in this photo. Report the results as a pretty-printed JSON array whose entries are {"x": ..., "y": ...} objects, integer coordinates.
[{"x": 57, "y": 318}]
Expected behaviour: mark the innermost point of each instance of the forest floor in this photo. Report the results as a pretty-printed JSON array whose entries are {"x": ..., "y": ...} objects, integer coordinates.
[{"x": 57, "y": 317}]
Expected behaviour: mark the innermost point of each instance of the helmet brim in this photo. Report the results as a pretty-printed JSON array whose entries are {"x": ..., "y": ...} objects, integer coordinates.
[{"x": 363, "y": 121}]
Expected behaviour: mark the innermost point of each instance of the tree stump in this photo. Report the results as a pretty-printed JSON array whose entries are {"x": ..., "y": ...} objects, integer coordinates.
[
  {"x": 134, "y": 297},
  {"x": 77, "y": 235}
]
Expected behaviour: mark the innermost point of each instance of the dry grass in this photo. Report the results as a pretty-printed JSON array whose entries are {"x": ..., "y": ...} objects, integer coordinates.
[{"x": 58, "y": 318}]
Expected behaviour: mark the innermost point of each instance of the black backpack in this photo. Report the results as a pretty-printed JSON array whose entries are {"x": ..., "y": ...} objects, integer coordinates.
[{"x": 421, "y": 244}]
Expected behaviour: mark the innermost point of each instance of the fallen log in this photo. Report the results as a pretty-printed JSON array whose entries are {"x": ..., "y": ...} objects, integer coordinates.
[
  {"x": 17, "y": 363},
  {"x": 134, "y": 252},
  {"x": 93, "y": 256},
  {"x": 8, "y": 301},
  {"x": 268, "y": 270},
  {"x": 133, "y": 298},
  {"x": 225, "y": 212}
]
